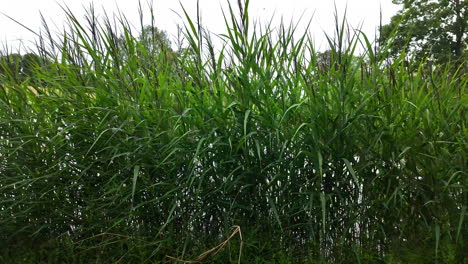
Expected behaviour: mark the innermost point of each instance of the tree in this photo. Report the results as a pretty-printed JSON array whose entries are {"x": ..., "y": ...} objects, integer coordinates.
[
  {"x": 154, "y": 40},
  {"x": 10, "y": 65},
  {"x": 153, "y": 49},
  {"x": 29, "y": 62},
  {"x": 428, "y": 28},
  {"x": 22, "y": 67}
]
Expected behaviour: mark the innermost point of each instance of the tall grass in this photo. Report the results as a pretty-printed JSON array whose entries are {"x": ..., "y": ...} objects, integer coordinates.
[{"x": 115, "y": 152}]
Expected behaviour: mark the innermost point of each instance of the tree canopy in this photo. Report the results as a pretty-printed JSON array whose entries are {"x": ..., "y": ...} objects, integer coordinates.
[
  {"x": 20, "y": 67},
  {"x": 429, "y": 29},
  {"x": 155, "y": 40}
]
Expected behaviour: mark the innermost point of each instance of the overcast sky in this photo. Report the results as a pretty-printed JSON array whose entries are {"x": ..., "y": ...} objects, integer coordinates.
[{"x": 364, "y": 13}]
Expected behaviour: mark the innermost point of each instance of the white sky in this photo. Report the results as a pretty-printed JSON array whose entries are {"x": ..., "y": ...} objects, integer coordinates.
[{"x": 359, "y": 12}]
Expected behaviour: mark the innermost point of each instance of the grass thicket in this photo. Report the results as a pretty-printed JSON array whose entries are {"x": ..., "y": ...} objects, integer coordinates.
[{"x": 114, "y": 151}]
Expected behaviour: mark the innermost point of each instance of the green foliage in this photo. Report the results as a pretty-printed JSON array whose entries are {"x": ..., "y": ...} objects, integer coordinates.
[
  {"x": 120, "y": 156},
  {"x": 154, "y": 40},
  {"x": 17, "y": 68},
  {"x": 428, "y": 29}
]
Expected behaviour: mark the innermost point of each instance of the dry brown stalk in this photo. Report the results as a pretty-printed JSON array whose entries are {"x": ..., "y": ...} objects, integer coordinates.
[{"x": 213, "y": 251}]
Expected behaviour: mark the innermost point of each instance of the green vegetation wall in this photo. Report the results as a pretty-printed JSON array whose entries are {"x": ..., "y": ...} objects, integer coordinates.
[{"x": 117, "y": 150}]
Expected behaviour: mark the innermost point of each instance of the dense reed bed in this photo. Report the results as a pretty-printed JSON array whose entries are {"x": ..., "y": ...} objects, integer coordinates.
[{"x": 116, "y": 151}]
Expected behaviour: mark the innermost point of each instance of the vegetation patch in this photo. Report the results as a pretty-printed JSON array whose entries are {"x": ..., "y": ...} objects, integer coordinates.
[{"x": 116, "y": 148}]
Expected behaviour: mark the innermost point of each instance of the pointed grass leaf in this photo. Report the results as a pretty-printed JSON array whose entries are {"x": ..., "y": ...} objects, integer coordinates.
[
  {"x": 136, "y": 171},
  {"x": 351, "y": 171}
]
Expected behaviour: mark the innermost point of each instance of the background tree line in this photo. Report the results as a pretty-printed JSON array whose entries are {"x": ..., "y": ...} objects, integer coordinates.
[
  {"x": 427, "y": 29},
  {"x": 20, "y": 67},
  {"x": 422, "y": 29}
]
